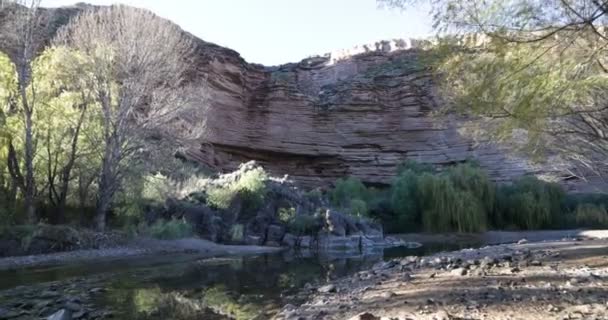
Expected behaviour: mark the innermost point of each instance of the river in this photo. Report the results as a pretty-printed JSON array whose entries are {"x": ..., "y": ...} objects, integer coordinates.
[{"x": 181, "y": 286}]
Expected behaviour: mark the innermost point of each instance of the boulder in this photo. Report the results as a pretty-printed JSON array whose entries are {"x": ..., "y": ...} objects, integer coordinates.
[
  {"x": 252, "y": 240},
  {"x": 305, "y": 242},
  {"x": 275, "y": 233},
  {"x": 289, "y": 240},
  {"x": 62, "y": 314},
  {"x": 335, "y": 223}
]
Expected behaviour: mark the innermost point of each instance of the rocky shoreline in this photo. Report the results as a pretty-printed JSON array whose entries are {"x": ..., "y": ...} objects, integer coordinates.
[{"x": 565, "y": 279}]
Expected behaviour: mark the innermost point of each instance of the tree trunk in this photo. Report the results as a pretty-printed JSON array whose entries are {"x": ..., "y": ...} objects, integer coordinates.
[
  {"x": 107, "y": 180},
  {"x": 103, "y": 201}
]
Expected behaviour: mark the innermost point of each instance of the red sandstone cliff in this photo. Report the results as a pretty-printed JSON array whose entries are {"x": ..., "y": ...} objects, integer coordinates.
[{"x": 329, "y": 117}]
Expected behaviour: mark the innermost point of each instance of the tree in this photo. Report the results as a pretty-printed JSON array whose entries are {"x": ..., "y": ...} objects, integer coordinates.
[
  {"x": 138, "y": 79},
  {"x": 536, "y": 71},
  {"x": 23, "y": 35},
  {"x": 62, "y": 117}
]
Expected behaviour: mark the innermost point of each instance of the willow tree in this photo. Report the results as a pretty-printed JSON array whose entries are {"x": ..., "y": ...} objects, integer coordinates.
[
  {"x": 537, "y": 71},
  {"x": 140, "y": 63}
]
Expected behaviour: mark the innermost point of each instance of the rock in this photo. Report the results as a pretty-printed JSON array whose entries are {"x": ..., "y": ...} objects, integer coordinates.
[
  {"x": 365, "y": 316},
  {"x": 49, "y": 294},
  {"x": 274, "y": 234},
  {"x": 7, "y": 314},
  {"x": 327, "y": 288},
  {"x": 305, "y": 242},
  {"x": 289, "y": 240},
  {"x": 459, "y": 272},
  {"x": 441, "y": 315},
  {"x": 387, "y": 294},
  {"x": 73, "y": 306},
  {"x": 252, "y": 240},
  {"x": 96, "y": 290},
  {"x": 60, "y": 315},
  {"x": 335, "y": 223}
]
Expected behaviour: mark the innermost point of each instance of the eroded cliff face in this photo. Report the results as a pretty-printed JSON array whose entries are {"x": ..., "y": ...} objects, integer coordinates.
[
  {"x": 329, "y": 117},
  {"x": 358, "y": 112}
]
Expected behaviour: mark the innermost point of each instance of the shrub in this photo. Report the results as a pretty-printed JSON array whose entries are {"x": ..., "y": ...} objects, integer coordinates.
[
  {"x": 403, "y": 200},
  {"x": 358, "y": 208},
  {"x": 530, "y": 203},
  {"x": 347, "y": 190},
  {"x": 591, "y": 216},
  {"x": 220, "y": 197},
  {"x": 251, "y": 185},
  {"x": 446, "y": 208},
  {"x": 172, "y": 229},
  {"x": 304, "y": 224},
  {"x": 286, "y": 215},
  {"x": 470, "y": 177}
]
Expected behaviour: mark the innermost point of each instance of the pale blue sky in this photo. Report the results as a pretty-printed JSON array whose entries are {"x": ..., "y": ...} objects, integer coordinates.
[{"x": 273, "y": 32}]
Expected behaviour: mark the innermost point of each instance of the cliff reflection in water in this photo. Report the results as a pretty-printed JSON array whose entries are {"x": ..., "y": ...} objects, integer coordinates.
[{"x": 231, "y": 288}]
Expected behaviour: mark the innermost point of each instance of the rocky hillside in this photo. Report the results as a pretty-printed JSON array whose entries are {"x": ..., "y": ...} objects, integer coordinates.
[
  {"x": 356, "y": 112},
  {"x": 351, "y": 113}
]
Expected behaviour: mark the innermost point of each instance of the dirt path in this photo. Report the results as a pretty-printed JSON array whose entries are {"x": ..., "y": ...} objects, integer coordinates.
[
  {"x": 549, "y": 280},
  {"x": 137, "y": 248}
]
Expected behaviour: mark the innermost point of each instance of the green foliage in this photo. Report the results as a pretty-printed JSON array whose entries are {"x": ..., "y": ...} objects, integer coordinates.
[
  {"x": 530, "y": 203},
  {"x": 304, "y": 225},
  {"x": 218, "y": 298},
  {"x": 404, "y": 202},
  {"x": 172, "y": 229},
  {"x": 346, "y": 190},
  {"x": 251, "y": 185},
  {"x": 591, "y": 216},
  {"x": 358, "y": 208},
  {"x": 445, "y": 207},
  {"x": 298, "y": 224},
  {"x": 286, "y": 215},
  {"x": 220, "y": 197}
]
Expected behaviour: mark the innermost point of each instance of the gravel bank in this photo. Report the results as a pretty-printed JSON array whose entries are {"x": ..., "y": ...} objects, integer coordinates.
[
  {"x": 548, "y": 280},
  {"x": 136, "y": 248}
]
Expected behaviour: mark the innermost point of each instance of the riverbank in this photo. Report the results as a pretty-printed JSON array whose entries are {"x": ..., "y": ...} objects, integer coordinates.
[
  {"x": 565, "y": 279},
  {"x": 133, "y": 249}
]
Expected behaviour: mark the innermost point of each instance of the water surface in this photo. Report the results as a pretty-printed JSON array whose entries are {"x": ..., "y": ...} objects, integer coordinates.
[{"x": 183, "y": 287}]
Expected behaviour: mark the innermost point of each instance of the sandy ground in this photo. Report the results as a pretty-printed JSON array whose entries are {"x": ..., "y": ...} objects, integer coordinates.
[
  {"x": 548, "y": 280},
  {"x": 137, "y": 248}
]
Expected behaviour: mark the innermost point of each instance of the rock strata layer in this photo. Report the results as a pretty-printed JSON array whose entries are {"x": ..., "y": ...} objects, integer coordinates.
[
  {"x": 324, "y": 118},
  {"x": 357, "y": 112}
]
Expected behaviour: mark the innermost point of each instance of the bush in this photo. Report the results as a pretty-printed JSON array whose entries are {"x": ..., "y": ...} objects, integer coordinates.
[
  {"x": 591, "y": 216},
  {"x": 530, "y": 203},
  {"x": 404, "y": 202},
  {"x": 347, "y": 190},
  {"x": 172, "y": 229},
  {"x": 446, "y": 208},
  {"x": 251, "y": 185},
  {"x": 358, "y": 208},
  {"x": 220, "y": 197},
  {"x": 304, "y": 225}
]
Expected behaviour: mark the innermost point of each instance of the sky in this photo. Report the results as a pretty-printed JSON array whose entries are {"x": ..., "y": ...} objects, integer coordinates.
[{"x": 273, "y": 32}]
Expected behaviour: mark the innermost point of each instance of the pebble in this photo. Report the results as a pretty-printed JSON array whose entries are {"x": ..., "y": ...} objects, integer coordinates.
[
  {"x": 459, "y": 272},
  {"x": 327, "y": 288}
]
